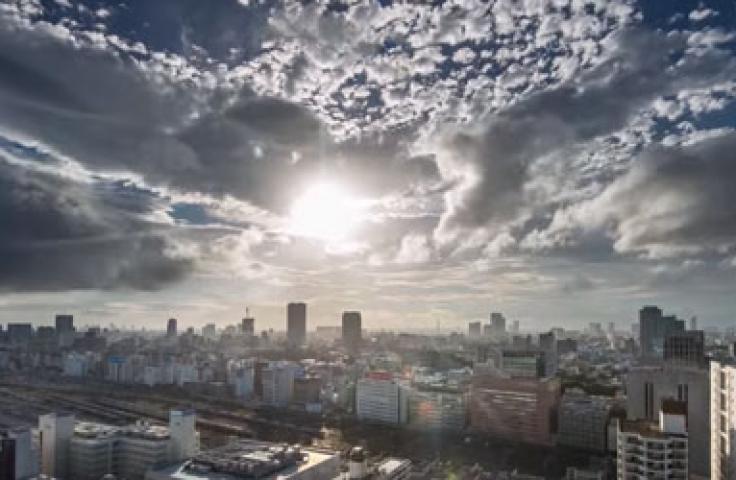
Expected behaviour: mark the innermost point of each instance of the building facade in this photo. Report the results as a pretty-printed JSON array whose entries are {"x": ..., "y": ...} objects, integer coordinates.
[
  {"x": 296, "y": 323},
  {"x": 380, "y": 398},
  {"x": 351, "y": 331},
  {"x": 583, "y": 421},
  {"x": 518, "y": 409},
  {"x": 723, "y": 415}
]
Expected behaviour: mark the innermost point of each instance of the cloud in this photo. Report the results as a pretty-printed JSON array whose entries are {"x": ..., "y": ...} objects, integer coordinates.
[
  {"x": 60, "y": 234},
  {"x": 674, "y": 202}
]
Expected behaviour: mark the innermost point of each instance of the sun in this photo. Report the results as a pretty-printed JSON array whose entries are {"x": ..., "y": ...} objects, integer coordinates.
[{"x": 325, "y": 211}]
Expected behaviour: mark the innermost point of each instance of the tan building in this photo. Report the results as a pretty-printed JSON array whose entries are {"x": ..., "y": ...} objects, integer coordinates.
[{"x": 518, "y": 409}]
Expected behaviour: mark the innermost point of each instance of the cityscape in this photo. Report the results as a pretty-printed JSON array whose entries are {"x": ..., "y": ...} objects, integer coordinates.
[
  {"x": 367, "y": 240},
  {"x": 652, "y": 399}
]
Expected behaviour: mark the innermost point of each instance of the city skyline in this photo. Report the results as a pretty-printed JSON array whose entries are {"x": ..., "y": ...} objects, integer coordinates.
[{"x": 422, "y": 164}]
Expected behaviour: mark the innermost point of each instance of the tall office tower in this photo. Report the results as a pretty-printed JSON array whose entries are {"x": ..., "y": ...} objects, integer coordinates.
[
  {"x": 277, "y": 383},
  {"x": 611, "y": 328},
  {"x": 583, "y": 421},
  {"x": 498, "y": 323},
  {"x": 248, "y": 326},
  {"x": 646, "y": 449},
  {"x": 171, "y": 327},
  {"x": 351, "y": 330},
  {"x": 380, "y": 398},
  {"x": 685, "y": 347},
  {"x": 693, "y": 323},
  {"x": 474, "y": 330},
  {"x": 183, "y": 434},
  {"x": 653, "y": 328},
  {"x": 296, "y": 323},
  {"x": 515, "y": 409},
  {"x": 723, "y": 415},
  {"x": 55, "y": 431},
  {"x": 647, "y": 387},
  {"x": 64, "y": 323},
  {"x": 548, "y": 345},
  {"x": 19, "y": 332}
]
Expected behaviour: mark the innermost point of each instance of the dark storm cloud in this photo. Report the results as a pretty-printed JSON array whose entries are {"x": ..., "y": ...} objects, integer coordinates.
[
  {"x": 553, "y": 125},
  {"x": 59, "y": 234},
  {"x": 674, "y": 200}
]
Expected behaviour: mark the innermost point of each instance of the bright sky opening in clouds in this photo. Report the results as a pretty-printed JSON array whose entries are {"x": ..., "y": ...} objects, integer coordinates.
[{"x": 474, "y": 156}]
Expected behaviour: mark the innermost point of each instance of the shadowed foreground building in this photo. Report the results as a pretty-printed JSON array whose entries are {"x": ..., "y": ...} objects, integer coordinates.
[{"x": 517, "y": 409}]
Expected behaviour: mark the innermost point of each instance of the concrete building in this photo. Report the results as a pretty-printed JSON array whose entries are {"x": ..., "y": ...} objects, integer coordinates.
[
  {"x": 296, "y": 323},
  {"x": 583, "y": 421},
  {"x": 248, "y": 326},
  {"x": 653, "y": 328},
  {"x": 183, "y": 434},
  {"x": 474, "y": 330},
  {"x": 254, "y": 460},
  {"x": 498, "y": 324},
  {"x": 308, "y": 393},
  {"x": 380, "y": 398},
  {"x": 352, "y": 331},
  {"x": 548, "y": 346},
  {"x": 209, "y": 332},
  {"x": 64, "y": 323},
  {"x": 19, "y": 332},
  {"x": 647, "y": 387},
  {"x": 55, "y": 431},
  {"x": 516, "y": 409},
  {"x": 17, "y": 454},
  {"x": 523, "y": 363},
  {"x": 241, "y": 376},
  {"x": 723, "y": 415},
  {"x": 277, "y": 383},
  {"x": 171, "y": 327},
  {"x": 573, "y": 473},
  {"x": 685, "y": 347},
  {"x": 436, "y": 409},
  {"x": 649, "y": 450}
]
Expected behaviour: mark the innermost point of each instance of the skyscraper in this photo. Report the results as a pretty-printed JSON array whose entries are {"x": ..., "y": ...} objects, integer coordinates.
[
  {"x": 56, "y": 431},
  {"x": 351, "y": 330},
  {"x": 64, "y": 323},
  {"x": 171, "y": 328},
  {"x": 474, "y": 330},
  {"x": 653, "y": 328},
  {"x": 248, "y": 326},
  {"x": 498, "y": 323},
  {"x": 296, "y": 327}
]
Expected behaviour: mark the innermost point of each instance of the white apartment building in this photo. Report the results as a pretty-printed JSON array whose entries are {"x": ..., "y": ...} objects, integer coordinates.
[
  {"x": 650, "y": 451},
  {"x": 89, "y": 451},
  {"x": 55, "y": 432},
  {"x": 723, "y": 425},
  {"x": 380, "y": 398}
]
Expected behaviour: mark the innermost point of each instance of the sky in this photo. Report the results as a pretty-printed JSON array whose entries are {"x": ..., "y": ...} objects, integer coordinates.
[{"x": 425, "y": 163}]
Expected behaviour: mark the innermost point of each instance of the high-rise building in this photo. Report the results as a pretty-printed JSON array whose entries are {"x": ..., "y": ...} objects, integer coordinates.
[
  {"x": 380, "y": 398},
  {"x": 296, "y": 323},
  {"x": 548, "y": 346},
  {"x": 209, "y": 331},
  {"x": 183, "y": 434},
  {"x": 498, "y": 323},
  {"x": 171, "y": 327},
  {"x": 55, "y": 432},
  {"x": 647, "y": 387},
  {"x": 474, "y": 330},
  {"x": 351, "y": 330},
  {"x": 64, "y": 323},
  {"x": 583, "y": 421},
  {"x": 693, "y": 323},
  {"x": 653, "y": 328},
  {"x": 723, "y": 415},
  {"x": 649, "y": 449},
  {"x": 19, "y": 332},
  {"x": 516, "y": 409},
  {"x": 248, "y": 326},
  {"x": 277, "y": 383},
  {"x": 685, "y": 347}
]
